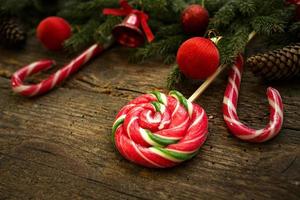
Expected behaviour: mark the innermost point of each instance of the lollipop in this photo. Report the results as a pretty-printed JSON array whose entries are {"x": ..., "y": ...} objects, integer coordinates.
[{"x": 159, "y": 131}]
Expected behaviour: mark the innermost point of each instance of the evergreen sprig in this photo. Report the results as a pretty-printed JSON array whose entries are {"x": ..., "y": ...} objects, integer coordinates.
[
  {"x": 29, "y": 12},
  {"x": 295, "y": 28},
  {"x": 104, "y": 30},
  {"x": 175, "y": 77},
  {"x": 165, "y": 47},
  {"x": 82, "y": 37}
]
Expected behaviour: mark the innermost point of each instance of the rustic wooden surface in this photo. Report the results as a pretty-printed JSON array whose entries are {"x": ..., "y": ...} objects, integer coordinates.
[{"x": 58, "y": 146}]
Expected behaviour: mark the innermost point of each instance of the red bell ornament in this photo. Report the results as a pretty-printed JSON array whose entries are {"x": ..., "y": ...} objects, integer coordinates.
[
  {"x": 134, "y": 28},
  {"x": 128, "y": 32}
]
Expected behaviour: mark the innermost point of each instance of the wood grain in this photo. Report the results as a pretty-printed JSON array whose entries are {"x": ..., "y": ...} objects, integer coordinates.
[{"x": 58, "y": 146}]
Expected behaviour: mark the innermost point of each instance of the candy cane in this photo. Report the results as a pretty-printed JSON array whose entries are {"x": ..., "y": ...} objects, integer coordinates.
[
  {"x": 160, "y": 131},
  {"x": 230, "y": 105},
  {"x": 44, "y": 86}
]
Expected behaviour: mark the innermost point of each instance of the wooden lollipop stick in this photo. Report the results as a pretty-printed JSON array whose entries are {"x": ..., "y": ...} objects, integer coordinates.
[{"x": 206, "y": 83}]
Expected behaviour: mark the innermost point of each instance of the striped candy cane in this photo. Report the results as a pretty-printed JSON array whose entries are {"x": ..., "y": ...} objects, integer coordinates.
[
  {"x": 160, "y": 131},
  {"x": 230, "y": 105},
  {"x": 44, "y": 86}
]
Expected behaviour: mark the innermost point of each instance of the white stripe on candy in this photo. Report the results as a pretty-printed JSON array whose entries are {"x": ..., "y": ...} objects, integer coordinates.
[{"x": 236, "y": 127}]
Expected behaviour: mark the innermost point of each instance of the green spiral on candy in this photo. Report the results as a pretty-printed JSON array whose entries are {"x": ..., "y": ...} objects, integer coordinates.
[
  {"x": 160, "y": 97},
  {"x": 172, "y": 154},
  {"x": 188, "y": 105},
  {"x": 157, "y": 140},
  {"x": 118, "y": 123}
]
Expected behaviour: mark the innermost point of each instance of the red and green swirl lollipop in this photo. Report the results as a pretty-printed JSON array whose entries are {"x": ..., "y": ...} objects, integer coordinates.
[{"x": 159, "y": 131}]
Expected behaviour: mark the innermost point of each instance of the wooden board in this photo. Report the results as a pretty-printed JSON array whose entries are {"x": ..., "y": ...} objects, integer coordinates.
[{"x": 58, "y": 146}]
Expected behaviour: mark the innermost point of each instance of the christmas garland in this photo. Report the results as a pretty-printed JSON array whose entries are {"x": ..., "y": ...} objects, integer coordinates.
[{"x": 233, "y": 19}]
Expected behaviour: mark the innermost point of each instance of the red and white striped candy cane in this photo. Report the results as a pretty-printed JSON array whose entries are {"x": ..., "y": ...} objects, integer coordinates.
[
  {"x": 44, "y": 86},
  {"x": 230, "y": 101},
  {"x": 160, "y": 131}
]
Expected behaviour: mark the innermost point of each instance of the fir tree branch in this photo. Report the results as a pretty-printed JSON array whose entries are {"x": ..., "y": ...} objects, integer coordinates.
[
  {"x": 175, "y": 77},
  {"x": 214, "y": 5},
  {"x": 161, "y": 10},
  {"x": 267, "y": 25},
  {"x": 265, "y": 8},
  {"x": 224, "y": 16},
  {"x": 169, "y": 58},
  {"x": 82, "y": 38},
  {"x": 295, "y": 27},
  {"x": 160, "y": 48},
  {"x": 179, "y": 5},
  {"x": 232, "y": 45},
  {"x": 80, "y": 12},
  {"x": 169, "y": 30},
  {"x": 105, "y": 29},
  {"x": 294, "y": 31},
  {"x": 246, "y": 8},
  {"x": 14, "y": 6}
]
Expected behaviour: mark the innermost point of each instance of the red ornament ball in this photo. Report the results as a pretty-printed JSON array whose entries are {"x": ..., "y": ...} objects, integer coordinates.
[
  {"x": 198, "y": 58},
  {"x": 52, "y": 32},
  {"x": 194, "y": 20}
]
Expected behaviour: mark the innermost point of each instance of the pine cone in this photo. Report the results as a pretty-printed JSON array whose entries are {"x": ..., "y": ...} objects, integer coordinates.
[
  {"x": 12, "y": 33},
  {"x": 280, "y": 64}
]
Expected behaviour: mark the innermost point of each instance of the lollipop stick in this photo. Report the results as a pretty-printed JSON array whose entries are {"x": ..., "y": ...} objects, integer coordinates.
[{"x": 207, "y": 82}]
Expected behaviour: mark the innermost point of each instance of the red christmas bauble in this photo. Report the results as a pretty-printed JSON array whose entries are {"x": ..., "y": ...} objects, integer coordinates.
[
  {"x": 194, "y": 20},
  {"x": 52, "y": 32},
  {"x": 198, "y": 58}
]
